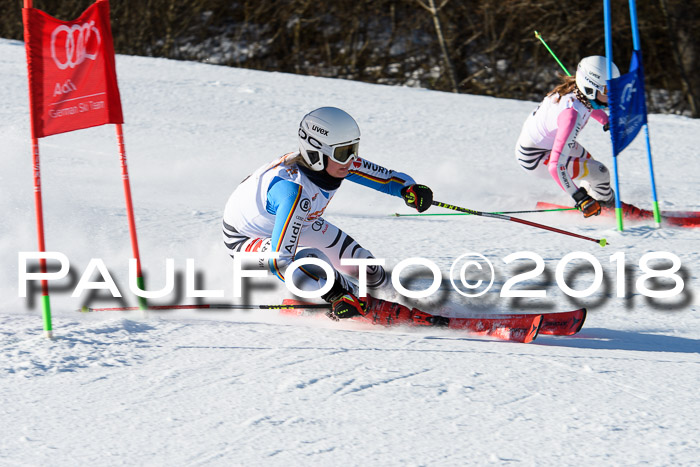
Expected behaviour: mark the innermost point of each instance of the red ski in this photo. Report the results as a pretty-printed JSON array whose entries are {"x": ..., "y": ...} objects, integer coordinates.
[
  {"x": 675, "y": 218},
  {"x": 517, "y": 328},
  {"x": 562, "y": 323},
  {"x": 512, "y": 327}
]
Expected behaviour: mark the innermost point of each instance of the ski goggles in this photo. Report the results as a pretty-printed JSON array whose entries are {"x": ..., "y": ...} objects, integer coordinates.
[
  {"x": 342, "y": 153},
  {"x": 345, "y": 152},
  {"x": 601, "y": 99}
]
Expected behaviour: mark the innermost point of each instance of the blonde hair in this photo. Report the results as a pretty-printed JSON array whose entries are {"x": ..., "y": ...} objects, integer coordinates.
[{"x": 296, "y": 160}]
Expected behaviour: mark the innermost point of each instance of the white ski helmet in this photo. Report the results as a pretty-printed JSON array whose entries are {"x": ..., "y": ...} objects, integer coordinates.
[
  {"x": 331, "y": 132},
  {"x": 592, "y": 74}
]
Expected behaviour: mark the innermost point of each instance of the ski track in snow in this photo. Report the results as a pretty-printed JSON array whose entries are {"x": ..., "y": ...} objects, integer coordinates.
[
  {"x": 305, "y": 395},
  {"x": 255, "y": 388}
]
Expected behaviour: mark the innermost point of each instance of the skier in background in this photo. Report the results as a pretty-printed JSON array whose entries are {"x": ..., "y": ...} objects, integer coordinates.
[
  {"x": 279, "y": 208},
  {"x": 547, "y": 145}
]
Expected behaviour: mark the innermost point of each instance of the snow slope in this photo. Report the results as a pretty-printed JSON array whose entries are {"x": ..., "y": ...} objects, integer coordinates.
[{"x": 252, "y": 388}]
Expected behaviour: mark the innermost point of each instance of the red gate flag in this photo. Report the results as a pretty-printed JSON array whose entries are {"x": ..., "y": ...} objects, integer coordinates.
[{"x": 72, "y": 76}]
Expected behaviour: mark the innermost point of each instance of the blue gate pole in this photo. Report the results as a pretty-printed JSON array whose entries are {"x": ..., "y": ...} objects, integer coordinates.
[
  {"x": 608, "y": 56},
  {"x": 638, "y": 48}
]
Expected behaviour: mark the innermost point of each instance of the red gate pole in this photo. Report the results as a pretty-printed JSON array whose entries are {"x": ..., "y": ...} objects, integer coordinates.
[
  {"x": 38, "y": 205},
  {"x": 45, "y": 301},
  {"x": 130, "y": 213}
]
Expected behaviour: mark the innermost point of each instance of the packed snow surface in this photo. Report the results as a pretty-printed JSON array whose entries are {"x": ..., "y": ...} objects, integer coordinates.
[{"x": 233, "y": 387}]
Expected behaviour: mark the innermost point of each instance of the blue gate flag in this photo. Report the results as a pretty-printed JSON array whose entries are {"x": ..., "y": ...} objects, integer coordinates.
[{"x": 628, "y": 110}]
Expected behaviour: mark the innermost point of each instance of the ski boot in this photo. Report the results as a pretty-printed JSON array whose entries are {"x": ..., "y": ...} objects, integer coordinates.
[
  {"x": 629, "y": 211},
  {"x": 345, "y": 304},
  {"x": 389, "y": 313}
]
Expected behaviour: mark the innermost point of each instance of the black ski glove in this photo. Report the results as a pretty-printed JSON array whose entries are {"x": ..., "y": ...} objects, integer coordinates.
[
  {"x": 347, "y": 306},
  {"x": 419, "y": 197}
]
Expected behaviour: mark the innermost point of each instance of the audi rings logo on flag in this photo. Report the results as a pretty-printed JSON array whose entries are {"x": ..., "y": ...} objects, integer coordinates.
[
  {"x": 70, "y": 46},
  {"x": 71, "y": 70}
]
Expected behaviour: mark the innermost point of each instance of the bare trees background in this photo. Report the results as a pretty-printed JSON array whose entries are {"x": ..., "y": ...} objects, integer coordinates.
[{"x": 468, "y": 46}]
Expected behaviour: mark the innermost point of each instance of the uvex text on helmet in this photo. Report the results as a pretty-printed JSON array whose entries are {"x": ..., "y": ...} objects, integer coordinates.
[
  {"x": 592, "y": 75},
  {"x": 328, "y": 131}
]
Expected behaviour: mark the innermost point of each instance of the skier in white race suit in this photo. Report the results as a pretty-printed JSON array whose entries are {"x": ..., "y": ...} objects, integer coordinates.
[
  {"x": 279, "y": 208},
  {"x": 547, "y": 145}
]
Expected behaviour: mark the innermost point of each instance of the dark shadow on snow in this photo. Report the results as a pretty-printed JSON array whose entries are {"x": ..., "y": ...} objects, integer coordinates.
[{"x": 612, "y": 339}]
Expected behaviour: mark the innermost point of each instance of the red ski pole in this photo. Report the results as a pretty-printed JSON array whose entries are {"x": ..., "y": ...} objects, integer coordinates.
[{"x": 601, "y": 242}]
